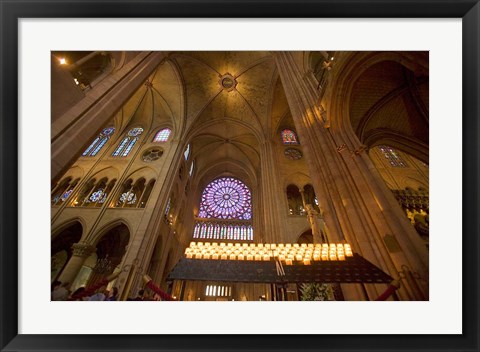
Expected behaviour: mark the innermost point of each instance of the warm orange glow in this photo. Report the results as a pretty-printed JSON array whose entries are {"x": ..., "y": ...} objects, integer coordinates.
[{"x": 287, "y": 253}]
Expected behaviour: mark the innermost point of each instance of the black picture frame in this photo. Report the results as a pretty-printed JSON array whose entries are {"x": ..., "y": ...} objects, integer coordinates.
[{"x": 12, "y": 11}]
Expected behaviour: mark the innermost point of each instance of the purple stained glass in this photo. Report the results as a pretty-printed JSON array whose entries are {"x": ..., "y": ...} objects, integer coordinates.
[
  {"x": 108, "y": 131},
  {"x": 96, "y": 195},
  {"x": 162, "y": 136},
  {"x": 289, "y": 137},
  {"x": 135, "y": 132},
  {"x": 226, "y": 198},
  {"x": 66, "y": 194}
]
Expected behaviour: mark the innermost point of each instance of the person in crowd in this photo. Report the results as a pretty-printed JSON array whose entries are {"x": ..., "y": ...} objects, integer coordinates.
[
  {"x": 59, "y": 291},
  {"x": 76, "y": 293},
  {"x": 100, "y": 295},
  {"x": 113, "y": 295},
  {"x": 139, "y": 296}
]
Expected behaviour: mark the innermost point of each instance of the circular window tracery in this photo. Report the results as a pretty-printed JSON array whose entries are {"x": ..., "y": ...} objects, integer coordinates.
[
  {"x": 152, "y": 154},
  {"x": 293, "y": 154},
  {"x": 226, "y": 198},
  {"x": 135, "y": 132}
]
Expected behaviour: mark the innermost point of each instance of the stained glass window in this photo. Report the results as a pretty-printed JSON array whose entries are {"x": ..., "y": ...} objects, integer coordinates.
[
  {"x": 162, "y": 135},
  {"x": 187, "y": 152},
  {"x": 128, "y": 197},
  {"x": 128, "y": 142},
  {"x": 167, "y": 208},
  {"x": 225, "y": 211},
  {"x": 216, "y": 231},
  {"x": 97, "y": 196},
  {"x": 63, "y": 190},
  {"x": 99, "y": 142},
  {"x": 392, "y": 156},
  {"x": 226, "y": 198},
  {"x": 289, "y": 137}
]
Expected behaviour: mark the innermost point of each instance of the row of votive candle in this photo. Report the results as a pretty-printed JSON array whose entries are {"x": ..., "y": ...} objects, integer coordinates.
[{"x": 258, "y": 251}]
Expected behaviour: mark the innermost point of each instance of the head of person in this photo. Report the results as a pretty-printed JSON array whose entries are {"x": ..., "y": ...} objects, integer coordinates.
[{"x": 56, "y": 284}]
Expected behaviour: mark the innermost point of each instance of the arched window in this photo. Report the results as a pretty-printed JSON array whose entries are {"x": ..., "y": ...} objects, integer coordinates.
[
  {"x": 295, "y": 201},
  {"x": 310, "y": 196},
  {"x": 392, "y": 156},
  {"x": 94, "y": 194},
  {"x": 63, "y": 190},
  {"x": 128, "y": 142},
  {"x": 134, "y": 195},
  {"x": 162, "y": 135},
  {"x": 225, "y": 211},
  {"x": 187, "y": 152},
  {"x": 99, "y": 142},
  {"x": 289, "y": 137}
]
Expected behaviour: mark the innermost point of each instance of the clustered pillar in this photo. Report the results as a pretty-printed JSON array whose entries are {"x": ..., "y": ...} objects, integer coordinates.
[{"x": 349, "y": 207}]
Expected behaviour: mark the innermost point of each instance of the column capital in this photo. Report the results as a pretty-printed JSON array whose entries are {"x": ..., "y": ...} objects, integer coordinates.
[{"x": 83, "y": 249}]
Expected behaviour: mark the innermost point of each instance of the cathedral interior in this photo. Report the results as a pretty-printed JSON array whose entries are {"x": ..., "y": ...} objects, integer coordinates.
[{"x": 241, "y": 175}]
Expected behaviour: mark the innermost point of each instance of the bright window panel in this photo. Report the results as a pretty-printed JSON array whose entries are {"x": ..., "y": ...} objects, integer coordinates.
[
  {"x": 187, "y": 152},
  {"x": 121, "y": 146},
  {"x": 129, "y": 147},
  {"x": 191, "y": 170},
  {"x": 162, "y": 136},
  {"x": 99, "y": 142},
  {"x": 217, "y": 231}
]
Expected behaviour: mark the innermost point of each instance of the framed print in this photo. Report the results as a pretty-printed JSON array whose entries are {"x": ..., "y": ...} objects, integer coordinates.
[{"x": 239, "y": 176}]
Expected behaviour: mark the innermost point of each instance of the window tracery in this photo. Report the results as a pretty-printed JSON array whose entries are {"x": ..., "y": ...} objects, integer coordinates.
[
  {"x": 162, "y": 135},
  {"x": 392, "y": 156},
  {"x": 225, "y": 211},
  {"x": 99, "y": 142},
  {"x": 128, "y": 142}
]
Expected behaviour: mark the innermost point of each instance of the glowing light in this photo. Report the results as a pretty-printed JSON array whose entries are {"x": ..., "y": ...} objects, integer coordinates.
[{"x": 259, "y": 251}]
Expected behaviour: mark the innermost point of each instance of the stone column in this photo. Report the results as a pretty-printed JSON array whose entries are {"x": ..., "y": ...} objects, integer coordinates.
[
  {"x": 81, "y": 251},
  {"x": 349, "y": 204},
  {"x": 273, "y": 223}
]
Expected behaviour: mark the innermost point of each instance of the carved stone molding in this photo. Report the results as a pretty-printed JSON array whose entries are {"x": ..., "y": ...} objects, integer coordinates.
[{"x": 82, "y": 250}]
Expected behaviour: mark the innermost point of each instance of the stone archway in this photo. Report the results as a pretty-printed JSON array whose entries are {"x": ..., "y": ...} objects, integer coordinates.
[
  {"x": 61, "y": 248},
  {"x": 110, "y": 249}
]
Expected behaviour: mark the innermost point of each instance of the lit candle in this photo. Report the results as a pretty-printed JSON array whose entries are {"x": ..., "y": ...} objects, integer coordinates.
[
  {"x": 288, "y": 262},
  {"x": 306, "y": 261}
]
